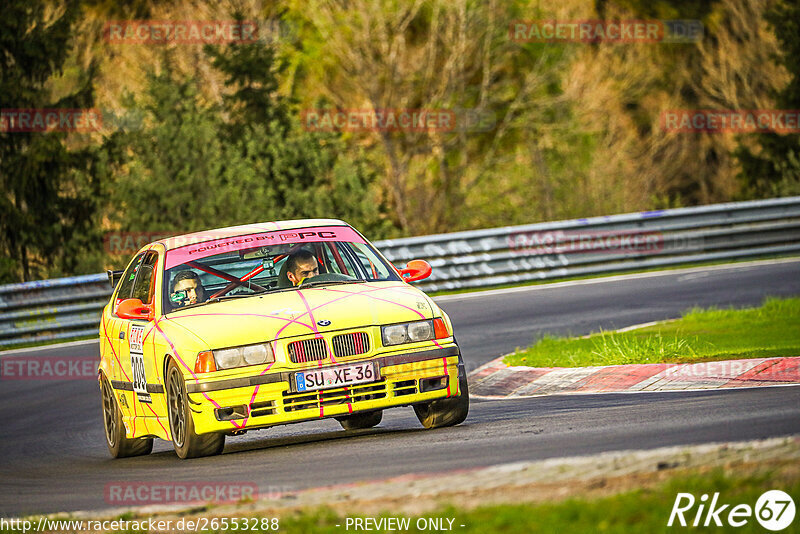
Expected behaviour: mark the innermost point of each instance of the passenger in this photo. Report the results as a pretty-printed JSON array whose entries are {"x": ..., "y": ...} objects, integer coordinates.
[{"x": 187, "y": 289}]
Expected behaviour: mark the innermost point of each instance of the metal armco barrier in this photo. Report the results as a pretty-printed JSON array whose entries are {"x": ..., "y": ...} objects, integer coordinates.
[{"x": 68, "y": 308}]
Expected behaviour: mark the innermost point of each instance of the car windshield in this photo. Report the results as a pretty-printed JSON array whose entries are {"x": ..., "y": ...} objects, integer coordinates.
[{"x": 241, "y": 266}]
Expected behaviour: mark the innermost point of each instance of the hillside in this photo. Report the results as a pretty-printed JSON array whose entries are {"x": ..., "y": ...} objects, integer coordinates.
[{"x": 196, "y": 138}]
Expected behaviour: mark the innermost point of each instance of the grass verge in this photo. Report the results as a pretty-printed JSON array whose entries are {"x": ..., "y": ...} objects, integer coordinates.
[
  {"x": 645, "y": 510},
  {"x": 700, "y": 335}
]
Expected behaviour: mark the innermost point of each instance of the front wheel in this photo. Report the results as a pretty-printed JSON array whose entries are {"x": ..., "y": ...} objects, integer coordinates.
[
  {"x": 118, "y": 444},
  {"x": 187, "y": 444},
  {"x": 446, "y": 412}
]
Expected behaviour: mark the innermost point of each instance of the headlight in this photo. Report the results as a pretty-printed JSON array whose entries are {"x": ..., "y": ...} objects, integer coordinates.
[
  {"x": 245, "y": 355},
  {"x": 253, "y": 354},
  {"x": 395, "y": 334},
  {"x": 407, "y": 333},
  {"x": 420, "y": 331},
  {"x": 227, "y": 358}
]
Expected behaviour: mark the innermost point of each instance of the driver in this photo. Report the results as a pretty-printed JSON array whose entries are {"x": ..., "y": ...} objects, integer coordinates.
[
  {"x": 187, "y": 289},
  {"x": 301, "y": 265}
]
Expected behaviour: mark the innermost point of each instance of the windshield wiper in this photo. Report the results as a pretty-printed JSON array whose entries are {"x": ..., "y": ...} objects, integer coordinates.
[
  {"x": 326, "y": 282},
  {"x": 225, "y": 297}
]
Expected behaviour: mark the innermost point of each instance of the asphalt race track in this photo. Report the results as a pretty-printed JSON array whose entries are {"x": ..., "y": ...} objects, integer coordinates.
[{"x": 53, "y": 456}]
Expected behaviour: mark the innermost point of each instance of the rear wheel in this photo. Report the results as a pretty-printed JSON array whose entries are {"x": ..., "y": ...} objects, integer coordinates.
[
  {"x": 118, "y": 444},
  {"x": 360, "y": 420},
  {"x": 181, "y": 425},
  {"x": 446, "y": 412}
]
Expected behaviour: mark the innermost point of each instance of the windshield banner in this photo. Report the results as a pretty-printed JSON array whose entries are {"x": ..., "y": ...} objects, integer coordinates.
[{"x": 196, "y": 251}]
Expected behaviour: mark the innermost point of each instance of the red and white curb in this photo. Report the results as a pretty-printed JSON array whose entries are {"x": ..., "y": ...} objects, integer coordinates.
[{"x": 496, "y": 379}]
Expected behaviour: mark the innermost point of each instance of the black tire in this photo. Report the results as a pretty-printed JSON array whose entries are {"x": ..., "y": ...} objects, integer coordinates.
[
  {"x": 360, "y": 420},
  {"x": 181, "y": 425},
  {"x": 118, "y": 444},
  {"x": 446, "y": 412}
]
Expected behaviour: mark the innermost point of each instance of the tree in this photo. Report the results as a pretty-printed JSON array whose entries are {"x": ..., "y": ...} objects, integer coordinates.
[
  {"x": 169, "y": 173},
  {"x": 298, "y": 173},
  {"x": 194, "y": 165},
  {"x": 48, "y": 203},
  {"x": 514, "y": 136},
  {"x": 773, "y": 169}
]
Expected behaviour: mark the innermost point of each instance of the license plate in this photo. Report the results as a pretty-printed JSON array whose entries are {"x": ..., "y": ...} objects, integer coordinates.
[{"x": 334, "y": 377}]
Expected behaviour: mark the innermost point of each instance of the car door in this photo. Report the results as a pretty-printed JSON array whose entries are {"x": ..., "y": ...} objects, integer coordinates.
[
  {"x": 116, "y": 328},
  {"x": 136, "y": 365}
]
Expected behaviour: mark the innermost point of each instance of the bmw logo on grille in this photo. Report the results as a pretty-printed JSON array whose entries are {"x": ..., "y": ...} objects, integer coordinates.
[{"x": 324, "y": 322}]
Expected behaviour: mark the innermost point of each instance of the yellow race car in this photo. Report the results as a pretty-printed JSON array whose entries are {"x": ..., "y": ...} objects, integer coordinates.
[{"x": 221, "y": 332}]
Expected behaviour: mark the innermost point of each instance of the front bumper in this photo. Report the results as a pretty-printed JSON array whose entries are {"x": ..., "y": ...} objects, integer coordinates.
[{"x": 268, "y": 400}]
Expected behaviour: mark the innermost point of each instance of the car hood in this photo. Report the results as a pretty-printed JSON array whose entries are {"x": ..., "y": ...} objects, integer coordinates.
[{"x": 301, "y": 312}]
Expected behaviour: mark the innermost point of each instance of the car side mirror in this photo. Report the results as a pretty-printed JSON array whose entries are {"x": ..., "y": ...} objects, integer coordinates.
[
  {"x": 134, "y": 309},
  {"x": 416, "y": 270},
  {"x": 114, "y": 277}
]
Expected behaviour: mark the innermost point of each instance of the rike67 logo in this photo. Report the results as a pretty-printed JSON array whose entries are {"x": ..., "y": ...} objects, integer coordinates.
[{"x": 774, "y": 510}]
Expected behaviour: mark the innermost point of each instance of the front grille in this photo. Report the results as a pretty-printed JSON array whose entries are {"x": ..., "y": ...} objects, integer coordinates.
[
  {"x": 308, "y": 350},
  {"x": 331, "y": 397},
  {"x": 405, "y": 387},
  {"x": 258, "y": 409},
  {"x": 350, "y": 344}
]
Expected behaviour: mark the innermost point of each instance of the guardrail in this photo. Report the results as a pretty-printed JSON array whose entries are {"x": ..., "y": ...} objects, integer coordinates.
[{"x": 68, "y": 308}]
